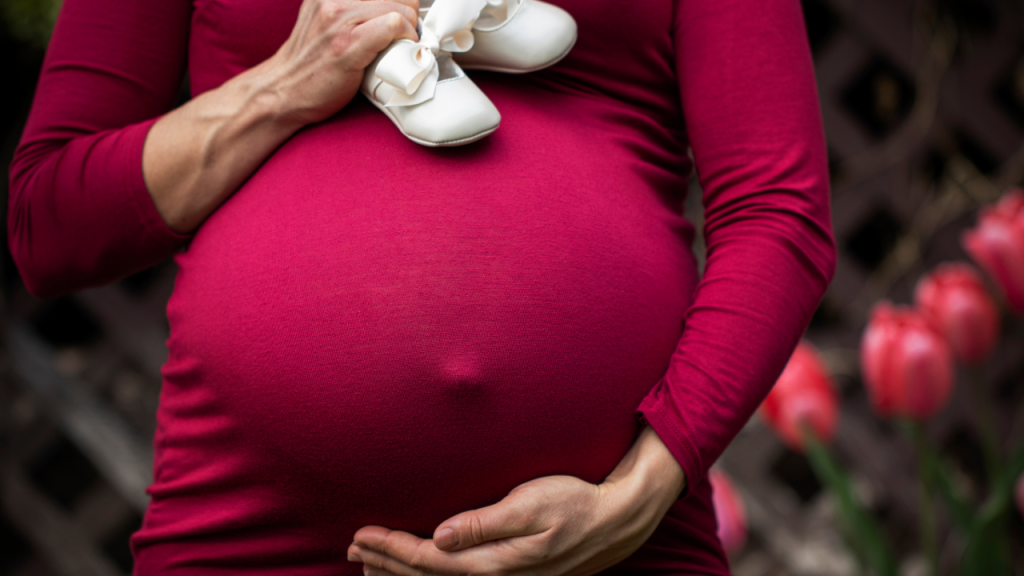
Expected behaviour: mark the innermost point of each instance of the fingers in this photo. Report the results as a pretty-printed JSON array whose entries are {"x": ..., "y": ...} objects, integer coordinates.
[
  {"x": 375, "y": 562},
  {"x": 516, "y": 515},
  {"x": 363, "y": 12},
  {"x": 398, "y": 552},
  {"x": 404, "y": 554},
  {"x": 375, "y": 35},
  {"x": 414, "y": 4}
]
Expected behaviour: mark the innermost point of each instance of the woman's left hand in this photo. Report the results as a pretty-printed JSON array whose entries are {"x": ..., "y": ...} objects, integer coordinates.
[{"x": 552, "y": 526}]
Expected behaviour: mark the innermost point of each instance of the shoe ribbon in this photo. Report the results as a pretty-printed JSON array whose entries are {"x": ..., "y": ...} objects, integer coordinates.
[{"x": 411, "y": 67}]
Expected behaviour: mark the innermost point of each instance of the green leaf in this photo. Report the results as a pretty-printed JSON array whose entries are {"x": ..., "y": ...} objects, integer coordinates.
[
  {"x": 942, "y": 478},
  {"x": 860, "y": 527},
  {"x": 987, "y": 551}
]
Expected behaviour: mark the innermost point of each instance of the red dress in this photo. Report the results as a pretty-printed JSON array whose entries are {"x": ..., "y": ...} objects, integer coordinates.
[{"x": 373, "y": 332}]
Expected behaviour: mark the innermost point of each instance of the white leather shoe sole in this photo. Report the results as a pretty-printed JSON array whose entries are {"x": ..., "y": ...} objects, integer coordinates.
[{"x": 458, "y": 114}]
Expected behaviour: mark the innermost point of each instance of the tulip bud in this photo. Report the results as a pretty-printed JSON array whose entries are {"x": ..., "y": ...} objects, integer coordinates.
[
  {"x": 730, "y": 512},
  {"x": 997, "y": 244},
  {"x": 953, "y": 298},
  {"x": 907, "y": 365},
  {"x": 803, "y": 394}
]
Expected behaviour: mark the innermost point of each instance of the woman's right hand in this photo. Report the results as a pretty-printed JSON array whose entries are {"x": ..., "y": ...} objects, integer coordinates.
[
  {"x": 197, "y": 155},
  {"x": 318, "y": 70}
]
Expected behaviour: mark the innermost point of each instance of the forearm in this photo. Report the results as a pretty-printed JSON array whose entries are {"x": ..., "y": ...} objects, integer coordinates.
[
  {"x": 100, "y": 190},
  {"x": 755, "y": 131},
  {"x": 197, "y": 155}
]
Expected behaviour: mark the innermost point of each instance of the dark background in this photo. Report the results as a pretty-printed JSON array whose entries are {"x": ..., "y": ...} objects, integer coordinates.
[{"x": 924, "y": 111}]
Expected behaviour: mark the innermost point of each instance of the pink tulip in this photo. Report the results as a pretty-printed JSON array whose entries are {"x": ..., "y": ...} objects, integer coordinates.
[
  {"x": 803, "y": 394},
  {"x": 730, "y": 512},
  {"x": 954, "y": 299},
  {"x": 997, "y": 244},
  {"x": 906, "y": 363}
]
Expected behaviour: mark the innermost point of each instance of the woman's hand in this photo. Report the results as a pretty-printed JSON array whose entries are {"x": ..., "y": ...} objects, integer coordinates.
[
  {"x": 320, "y": 67},
  {"x": 197, "y": 155},
  {"x": 553, "y": 526}
]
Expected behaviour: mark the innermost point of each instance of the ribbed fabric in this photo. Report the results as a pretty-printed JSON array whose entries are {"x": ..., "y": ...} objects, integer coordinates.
[{"x": 373, "y": 332}]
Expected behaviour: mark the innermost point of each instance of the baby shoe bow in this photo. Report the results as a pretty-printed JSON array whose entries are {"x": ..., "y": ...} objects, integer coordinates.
[
  {"x": 411, "y": 67},
  {"x": 516, "y": 36}
]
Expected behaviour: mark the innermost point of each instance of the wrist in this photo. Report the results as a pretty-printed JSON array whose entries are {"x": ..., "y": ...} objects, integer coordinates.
[
  {"x": 657, "y": 468},
  {"x": 649, "y": 473},
  {"x": 263, "y": 90}
]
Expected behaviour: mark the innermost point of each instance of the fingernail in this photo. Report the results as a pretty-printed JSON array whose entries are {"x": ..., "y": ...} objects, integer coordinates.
[
  {"x": 353, "y": 553},
  {"x": 446, "y": 539}
]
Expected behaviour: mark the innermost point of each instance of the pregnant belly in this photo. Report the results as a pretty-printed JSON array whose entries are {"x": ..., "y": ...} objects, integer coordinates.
[{"x": 374, "y": 333}]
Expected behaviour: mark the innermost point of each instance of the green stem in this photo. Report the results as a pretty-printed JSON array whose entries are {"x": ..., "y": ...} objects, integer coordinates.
[
  {"x": 926, "y": 499},
  {"x": 959, "y": 511},
  {"x": 983, "y": 413},
  {"x": 863, "y": 533},
  {"x": 987, "y": 551},
  {"x": 1000, "y": 497}
]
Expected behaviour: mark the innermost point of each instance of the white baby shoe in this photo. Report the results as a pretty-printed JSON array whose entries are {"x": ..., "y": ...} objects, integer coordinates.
[
  {"x": 517, "y": 36},
  {"x": 458, "y": 112},
  {"x": 423, "y": 91}
]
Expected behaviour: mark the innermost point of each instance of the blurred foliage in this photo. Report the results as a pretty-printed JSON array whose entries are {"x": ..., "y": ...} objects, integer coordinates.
[{"x": 30, "y": 21}]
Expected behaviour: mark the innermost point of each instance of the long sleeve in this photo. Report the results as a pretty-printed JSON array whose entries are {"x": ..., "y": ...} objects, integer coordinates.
[
  {"x": 79, "y": 212},
  {"x": 752, "y": 115}
]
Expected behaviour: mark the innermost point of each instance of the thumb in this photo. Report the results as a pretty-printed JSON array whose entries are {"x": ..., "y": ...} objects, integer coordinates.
[{"x": 513, "y": 516}]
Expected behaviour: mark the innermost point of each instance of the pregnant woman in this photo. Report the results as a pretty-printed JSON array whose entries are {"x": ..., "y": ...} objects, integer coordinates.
[{"x": 377, "y": 341}]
